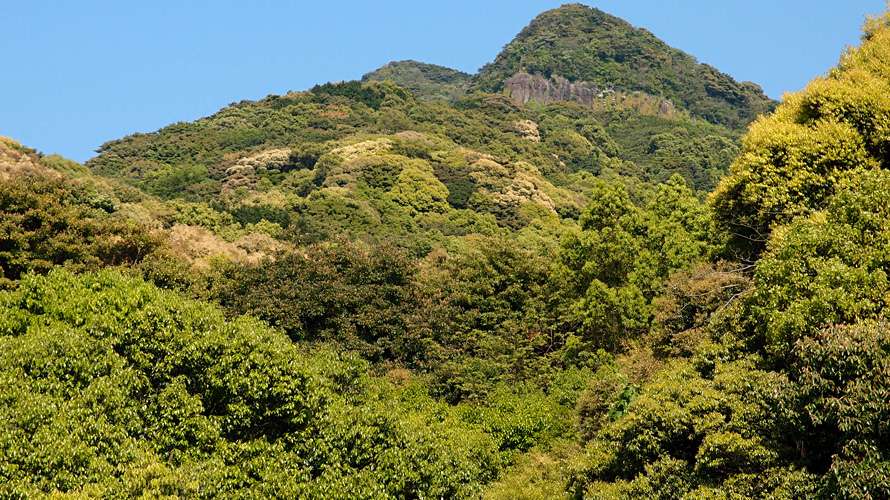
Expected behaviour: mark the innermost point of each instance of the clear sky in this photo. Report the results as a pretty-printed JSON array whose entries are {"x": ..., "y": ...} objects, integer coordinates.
[{"x": 74, "y": 74}]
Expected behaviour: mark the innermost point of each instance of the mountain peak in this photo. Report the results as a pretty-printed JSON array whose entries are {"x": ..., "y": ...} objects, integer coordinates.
[{"x": 616, "y": 60}]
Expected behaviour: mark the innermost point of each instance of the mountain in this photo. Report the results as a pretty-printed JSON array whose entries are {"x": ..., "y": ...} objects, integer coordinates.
[
  {"x": 417, "y": 148},
  {"x": 582, "y": 54}
]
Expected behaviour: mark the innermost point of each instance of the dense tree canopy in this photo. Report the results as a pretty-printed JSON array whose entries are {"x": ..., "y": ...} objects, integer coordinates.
[{"x": 113, "y": 388}]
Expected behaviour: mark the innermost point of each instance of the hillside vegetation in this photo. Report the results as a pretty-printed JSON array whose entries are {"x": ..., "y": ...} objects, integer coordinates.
[{"x": 416, "y": 288}]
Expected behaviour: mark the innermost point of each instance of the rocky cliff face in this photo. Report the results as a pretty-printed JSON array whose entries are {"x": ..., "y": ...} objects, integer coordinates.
[{"x": 524, "y": 87}]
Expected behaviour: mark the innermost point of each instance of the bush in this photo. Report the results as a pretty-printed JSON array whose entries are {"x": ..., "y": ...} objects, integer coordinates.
[{"x": 48, "y": 222}]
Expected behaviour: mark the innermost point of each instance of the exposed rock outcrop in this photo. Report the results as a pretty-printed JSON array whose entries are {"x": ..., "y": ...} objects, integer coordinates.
[{"x": 525, "y": 87}]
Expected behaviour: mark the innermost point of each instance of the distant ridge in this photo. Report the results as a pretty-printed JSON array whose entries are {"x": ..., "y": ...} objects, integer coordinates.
[{"x": 428, "y": 82}]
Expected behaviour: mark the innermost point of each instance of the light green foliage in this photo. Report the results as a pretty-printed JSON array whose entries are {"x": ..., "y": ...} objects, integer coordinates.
[
  {"x": 114, "y": 388},
  {"x": 696, "y": 431},
  {"x": 825, "y": 269},
  {"x": 615, "y": 265},
  {"x": 793, "y": 161},
  {"x": 678, "y": 224},
  {"x": 519, "y": 417},
  {"x": 460, "y": 222},
  {"x": 418, "y": 189},
  {"x": 540, "y": 474},
  {"x": 201, "y": 214},
  {"x": 600, "y": 264},
  {"x": 440, "y": 336}
]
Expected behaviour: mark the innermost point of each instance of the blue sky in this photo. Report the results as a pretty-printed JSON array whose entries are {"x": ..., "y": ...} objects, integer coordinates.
[{"x": 75, "y": 74}]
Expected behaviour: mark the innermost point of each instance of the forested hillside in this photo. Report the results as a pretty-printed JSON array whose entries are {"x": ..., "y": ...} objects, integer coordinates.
[{"x": 430, "y": 284}]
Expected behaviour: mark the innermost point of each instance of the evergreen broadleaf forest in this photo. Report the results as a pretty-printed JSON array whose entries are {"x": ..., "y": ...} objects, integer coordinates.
[{"x": 595, "y": 269}]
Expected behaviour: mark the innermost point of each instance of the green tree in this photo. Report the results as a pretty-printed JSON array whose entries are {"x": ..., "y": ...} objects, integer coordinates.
[
  {"x": 843, "y": 385},
  {"x": 827, "y": 268},
  {"x": 363, "y": 299},
  {"x": 112, "y": 388},
  {"x": 616, "y": 264},
  {"x": 795, "y": 160},
  {"x": 503, "y": 325},
  {"x": 418, "y": 189},
  {"x": 698, "y": 430},
  {"x": 47, "y": 222}
]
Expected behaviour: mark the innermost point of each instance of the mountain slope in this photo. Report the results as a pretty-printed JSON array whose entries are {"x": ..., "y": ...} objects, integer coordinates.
[
  {"x": 52, "y": 213},
  {"x": 408, "y": 154}
]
